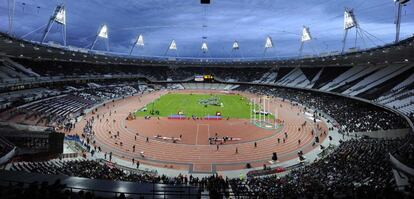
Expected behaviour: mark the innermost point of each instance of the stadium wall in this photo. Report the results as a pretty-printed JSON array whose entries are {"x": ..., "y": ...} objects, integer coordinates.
[
  {"x": 389, "y": 134},
  {"x": 8, "y": 156}
]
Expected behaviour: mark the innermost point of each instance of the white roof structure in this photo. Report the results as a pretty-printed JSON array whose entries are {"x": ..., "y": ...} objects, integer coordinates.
[
  {"x": 236, "y": 45},
  {"x": 103, "y": 32},
  {"x": 306, "y": 36},
  {"x": 173, "y": 45},
  {"x": 349, "y": 19},
  {"x": 269, "y": 42},
  {"x": 60, "y": 16}
]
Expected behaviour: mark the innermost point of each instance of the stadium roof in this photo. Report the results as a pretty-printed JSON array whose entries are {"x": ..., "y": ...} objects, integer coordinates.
[{"x": 249, "y": 22}]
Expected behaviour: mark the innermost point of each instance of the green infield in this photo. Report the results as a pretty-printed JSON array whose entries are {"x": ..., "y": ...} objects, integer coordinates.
[{"x": 200, "y": 105}]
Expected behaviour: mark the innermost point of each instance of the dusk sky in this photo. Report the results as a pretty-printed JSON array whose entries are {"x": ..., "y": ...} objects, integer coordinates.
[{"x": 247, "y": 21}]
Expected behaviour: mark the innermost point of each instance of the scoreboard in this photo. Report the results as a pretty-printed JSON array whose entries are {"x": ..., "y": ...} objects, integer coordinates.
[
  {"x": 208, "y": 77},
  {"x": 202, "y": 78}
]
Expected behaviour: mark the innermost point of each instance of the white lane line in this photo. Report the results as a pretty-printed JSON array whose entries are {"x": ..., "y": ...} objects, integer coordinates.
[{"x": 197, "y": 134}]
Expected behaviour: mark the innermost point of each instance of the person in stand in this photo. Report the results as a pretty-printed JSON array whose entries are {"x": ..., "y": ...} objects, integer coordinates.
[
  {"x": 217, "y": 147},
  {"x": 255, "y": 144},
  {"x": 133, "y": 148},
  {"x": 133, "y": 161},
  {"x": 237, "y": 150},
  {"x": 147, "y": 139},
  {"x": 137, "y": 164}
]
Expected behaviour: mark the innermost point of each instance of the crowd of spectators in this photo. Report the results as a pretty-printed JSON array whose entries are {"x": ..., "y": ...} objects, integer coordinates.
[
  {"x": 352, "y": 115},
  {"x": 98, "y": 93},
  {"x": 60, "y": 111},
  {"x": 97, "y": 170},
  {"x": 39, "y": 191},
  {"x": 358, "y": 168},
  {"x": 405, "y": 153},
  {"x": 160, "y": 73}
]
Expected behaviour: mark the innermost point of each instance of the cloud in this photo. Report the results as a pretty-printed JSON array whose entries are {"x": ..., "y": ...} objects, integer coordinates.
[{"x": 247, "y": 21}]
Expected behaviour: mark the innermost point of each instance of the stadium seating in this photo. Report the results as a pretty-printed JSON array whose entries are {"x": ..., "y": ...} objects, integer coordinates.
[
  {"x": 357, "y": 168},
  {"x": 353, "y": 116}
]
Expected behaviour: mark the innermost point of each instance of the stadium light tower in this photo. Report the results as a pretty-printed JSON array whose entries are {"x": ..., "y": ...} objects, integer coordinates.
[
  {"x": 236, "y": 48},
  {"x": 59, "y": 16},
  {"x": 268, "y": 44},
  {"x": 102, "y": 34},
  {"x": 139, "y": 42},
  {"x": 11, "y": 4},
  {"x": 235, "y": 45},
  {"x": 172, "y": 47},
  {"x": 204, "y": 47},
  {"x": 306, "y": 36},
  {"x": 399, "y": 4},
  {"x": 349, "y": 22}
]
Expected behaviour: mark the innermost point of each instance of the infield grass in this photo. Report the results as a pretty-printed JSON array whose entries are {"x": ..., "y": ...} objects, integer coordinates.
[{"x": 233, "y": 106}]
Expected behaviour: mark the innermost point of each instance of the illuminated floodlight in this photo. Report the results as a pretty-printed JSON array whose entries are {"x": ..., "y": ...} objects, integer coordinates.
[
  {"x": 349, "y": 19},
  {"x": 204, "y": 47},
  {"x": 236, "y": 45},
  {"x": 173, "y": 45},
  {"x": 306, "y": 36},
  {"x": 269, "y": 42},
  {"x": 103, "y": 32},
  {"x": 60, "y": 16},
  {"x": 140, "y": 41}
]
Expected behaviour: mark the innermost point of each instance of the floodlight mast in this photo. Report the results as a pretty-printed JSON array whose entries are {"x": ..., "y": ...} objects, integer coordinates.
[
  {"x": 268, "y": 44},
  {"x": 236, "y": 48},
  {"x": 11, "y": 8},
  {"x": 204, "y": 47},
  {"x": 59, "y": 16},
  {"x": 172, "y": 47},
  {"x": 139, "y": 42},
  {"x": 102, "y": 33},
  {"x": 349, "y": 22},
  {"x": 399, "y": 4},
  {"x": 306, "y": 36}
]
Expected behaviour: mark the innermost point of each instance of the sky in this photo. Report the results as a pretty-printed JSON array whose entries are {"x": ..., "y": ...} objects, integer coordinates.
[{"x": 221, "y": 23}]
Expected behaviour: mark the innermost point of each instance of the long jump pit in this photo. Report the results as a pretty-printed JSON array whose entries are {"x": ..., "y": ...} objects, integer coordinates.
[{"x": 195, "y": 144}]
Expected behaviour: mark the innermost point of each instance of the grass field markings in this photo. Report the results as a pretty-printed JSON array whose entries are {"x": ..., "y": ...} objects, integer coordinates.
[{"x": 235, "y": 106}]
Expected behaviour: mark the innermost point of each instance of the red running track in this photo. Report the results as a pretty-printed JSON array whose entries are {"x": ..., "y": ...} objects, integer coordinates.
[{"x": 193, "y": 152}]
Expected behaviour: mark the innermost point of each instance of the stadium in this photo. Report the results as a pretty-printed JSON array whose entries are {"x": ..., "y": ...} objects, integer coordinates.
[{"x": 206, "y": 99}]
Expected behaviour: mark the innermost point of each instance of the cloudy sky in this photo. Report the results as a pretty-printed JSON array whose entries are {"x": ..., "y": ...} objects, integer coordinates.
[{"x": 224, "y": 21}]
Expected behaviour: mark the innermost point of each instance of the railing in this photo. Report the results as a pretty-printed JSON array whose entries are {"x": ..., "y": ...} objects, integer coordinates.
[
  {"x": 156, "y": 191},
  {"x": 20, "y": 81}
]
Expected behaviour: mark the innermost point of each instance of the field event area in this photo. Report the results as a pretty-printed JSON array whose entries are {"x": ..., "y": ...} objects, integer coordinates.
[{"x": 198, "y": 105}]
